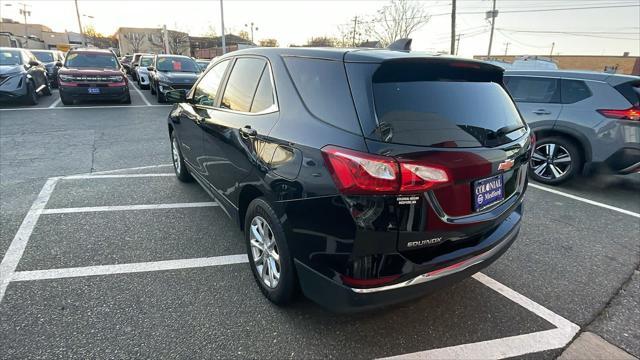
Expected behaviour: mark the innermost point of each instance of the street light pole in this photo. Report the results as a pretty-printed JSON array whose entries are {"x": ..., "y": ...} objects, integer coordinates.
[
  {"x": 84, "y": 40},
  {"x": 224, "y": 42},
  {"x": 493, "y": 14},
  {"x": 252, "y": 28}
]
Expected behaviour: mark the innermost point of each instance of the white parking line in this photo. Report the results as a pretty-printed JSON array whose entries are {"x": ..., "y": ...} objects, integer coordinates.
[
  {"x": 509, "y": 346},
  {"x": 128, "y": 207},
  {"x": 128, "y": 169},
  {"x": 591, "y": 202},
  {"x": 135, "y": 87},
  {"x": 88, "y": 107},
  {"x": 129, "y": 268},
  {"x": 113, "y": 176},
  {"x": 19, "y": 242},
  {"x": 54, "y": 104}
]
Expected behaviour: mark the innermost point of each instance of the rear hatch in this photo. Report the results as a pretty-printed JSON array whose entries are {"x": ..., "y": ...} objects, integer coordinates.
[{"x": 445, "y": 115}]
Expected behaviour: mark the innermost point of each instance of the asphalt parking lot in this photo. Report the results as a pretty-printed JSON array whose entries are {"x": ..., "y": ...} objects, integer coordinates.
[{"x": 106, "y": 255}]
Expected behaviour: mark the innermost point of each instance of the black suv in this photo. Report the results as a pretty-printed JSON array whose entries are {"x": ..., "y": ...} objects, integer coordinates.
[{"x": 365, "y": 177}]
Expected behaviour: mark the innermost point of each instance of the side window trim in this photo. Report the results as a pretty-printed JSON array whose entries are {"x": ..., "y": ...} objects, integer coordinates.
[{"x": 274, "y": 108}]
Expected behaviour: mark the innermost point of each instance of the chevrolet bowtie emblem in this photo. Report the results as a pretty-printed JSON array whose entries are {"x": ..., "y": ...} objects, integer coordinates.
[{"x": 506, "y": 165}]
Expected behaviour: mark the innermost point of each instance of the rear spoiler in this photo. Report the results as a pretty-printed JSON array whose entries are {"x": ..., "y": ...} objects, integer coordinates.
[
  {"x": 400, "y": 45},
  {"x": 436, "y": 69}
]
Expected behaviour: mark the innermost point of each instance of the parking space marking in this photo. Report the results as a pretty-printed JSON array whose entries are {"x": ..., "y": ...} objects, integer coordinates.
[
  {"x": 114, "y": 176},
  {"x": 128, "y": 207},
  {"x": 574, "y": 197},
  {"x": 135, "y": 87},
  {"x": 509, "y": 346},
  {"x": 88, "y": 107},
  {"x": 55, "y": 103},
  {"x": 129, "y": 268},
  {"x": 129, "y": 169},
  {"x": 19, "y": 242}
]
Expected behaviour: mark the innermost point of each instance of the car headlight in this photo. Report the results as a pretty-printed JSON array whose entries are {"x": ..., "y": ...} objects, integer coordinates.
[
  {"x": 116, "y": 78},
  {"x": 65, "y": 77}
]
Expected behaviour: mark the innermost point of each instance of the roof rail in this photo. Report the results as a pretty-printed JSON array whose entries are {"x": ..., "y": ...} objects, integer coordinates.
[{"x": 400, "y": 45}]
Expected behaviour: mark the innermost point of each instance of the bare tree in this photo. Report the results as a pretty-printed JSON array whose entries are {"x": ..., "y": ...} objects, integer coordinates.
[
  {"x": 135, "y": 39},
  {"x": 178, "y": 42},
  {"x": 322, "y": 41},
  {"x": 269, "y": 43},
  {"x": 397, "y": 20}
]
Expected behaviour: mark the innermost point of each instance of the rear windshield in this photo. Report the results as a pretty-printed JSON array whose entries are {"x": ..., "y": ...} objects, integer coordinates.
[
  {"x": 92, "y": 60},
  {"x": 631, "y": 91},
  {"x": 445, "y": 113},
  {"x": 43, "y": 56}
]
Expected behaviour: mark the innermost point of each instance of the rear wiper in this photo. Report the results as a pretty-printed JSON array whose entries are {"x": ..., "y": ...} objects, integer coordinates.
[{"x": 507, "y": 129}]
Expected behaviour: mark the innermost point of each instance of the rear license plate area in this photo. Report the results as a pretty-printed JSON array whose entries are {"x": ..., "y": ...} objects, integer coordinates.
[
  {"x": 487, "y": 192},
  {"x": 93, "y": 90}
]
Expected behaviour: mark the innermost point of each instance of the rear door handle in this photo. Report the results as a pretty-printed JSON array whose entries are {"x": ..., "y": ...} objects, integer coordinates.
[
  {"x": 542, "y": 112},
  {"x": 248, "y": 131}
]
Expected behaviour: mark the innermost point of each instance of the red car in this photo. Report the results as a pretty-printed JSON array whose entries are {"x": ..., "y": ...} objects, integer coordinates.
[{"x": 92, "y": 74}]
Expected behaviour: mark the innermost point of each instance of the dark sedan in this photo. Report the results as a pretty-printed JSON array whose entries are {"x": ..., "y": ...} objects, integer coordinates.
[
  {"x": 172, "y": 72},
  {"x": 22, "y": 76},
  {"x": 49, "y": 58}
]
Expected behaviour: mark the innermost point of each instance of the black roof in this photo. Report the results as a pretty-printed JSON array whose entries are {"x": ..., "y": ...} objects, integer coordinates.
[{"x": 348, "y": 54}]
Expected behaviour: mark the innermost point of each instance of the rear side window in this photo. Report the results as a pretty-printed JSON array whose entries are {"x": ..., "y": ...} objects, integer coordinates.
[
  {"x": 264, "y": 94},
  {"x": 533, "y": 89},
  {"x": 631, "y": 91},
  {"x": 574, "y": 91},
  {"x": 323, "y": 87},
  {"x": 205, "y": 93},
  {"x": 242, "y": 84},
  {"x": 445, "y": 113}
]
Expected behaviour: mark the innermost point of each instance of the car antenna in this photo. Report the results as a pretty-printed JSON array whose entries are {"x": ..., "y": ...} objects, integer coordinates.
[{"x": 400, "y": 45}]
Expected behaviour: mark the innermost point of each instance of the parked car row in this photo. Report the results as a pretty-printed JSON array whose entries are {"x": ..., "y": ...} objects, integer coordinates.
[{"x": 22, "y": 77}]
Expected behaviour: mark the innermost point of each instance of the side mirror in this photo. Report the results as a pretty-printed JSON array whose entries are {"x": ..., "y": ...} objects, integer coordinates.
[
  {"x": 34, "y": 63},
  {"x": 150, "y": 68},
  {"x": 58, "y": 63},
  {"x": 176, "y": 96}
]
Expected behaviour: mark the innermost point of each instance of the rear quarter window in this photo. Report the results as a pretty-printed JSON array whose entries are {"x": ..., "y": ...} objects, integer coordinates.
[
  {"x": 574, "y": 91},
  {"x": 323, "y": 87},
  {"x": 631, "y": 91}
]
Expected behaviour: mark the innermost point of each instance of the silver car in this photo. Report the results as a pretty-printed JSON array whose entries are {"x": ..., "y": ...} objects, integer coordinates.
[
  {"x": 583, "y": 121},
  {"x": 142, "y": 74}
]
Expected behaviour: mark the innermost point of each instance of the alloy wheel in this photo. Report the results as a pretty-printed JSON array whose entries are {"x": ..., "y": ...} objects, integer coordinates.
[
  {"x": 551, "y": 161},
  {"x": 264, "y": 252},
  {"x": 175, "y": 154}
]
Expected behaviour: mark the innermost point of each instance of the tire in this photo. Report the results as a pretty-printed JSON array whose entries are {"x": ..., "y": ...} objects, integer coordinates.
[
  {"x": 179, "y": 167},
  {"x": 161, "y": 98},
  {"x": 65, "y": 100},
  {"x": 555, "y": 160},
  {"x": 31, "y": 98},
  {"x": 47, "y": 90},
  {"x": 127, "y": 99},
  {"x": 282, "y": 289},
  {"x": 153, "y": 90}
]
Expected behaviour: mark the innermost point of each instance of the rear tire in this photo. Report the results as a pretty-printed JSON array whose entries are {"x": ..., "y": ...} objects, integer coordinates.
[
  {"x": 263, "y": 230},
  {"x": 153, "y": 90},
  {"x": 179, "y": 167},
  {"x": 555, "y": 160},
  {"x": 127, "y": 99},
  {"x": 161, "y": 98},
  {"x": 31, "y": 98}
]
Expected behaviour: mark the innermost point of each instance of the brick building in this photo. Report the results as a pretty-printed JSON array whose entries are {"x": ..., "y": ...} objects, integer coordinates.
[{"x": 629, "y": 65}]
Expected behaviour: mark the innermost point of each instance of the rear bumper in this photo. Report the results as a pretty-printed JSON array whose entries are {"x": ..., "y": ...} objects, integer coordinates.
[
  {"x": 106, "y": 93},
  {"x": 335, "y": 296},
  {"x": 624, "y": 161}
]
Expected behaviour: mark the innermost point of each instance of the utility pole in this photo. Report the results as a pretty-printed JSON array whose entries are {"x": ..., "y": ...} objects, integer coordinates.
[
  {"x": 453, "y": 28},
  {"x": 553, "y": 44},
  {"x": 224, "y": 42},
  {"x": 84, "y": 41},
  {"x": 506, "y": 47},
  {"x": 491, "y": 14},
  {"x": 355, "y": 28},
  {"x": 457, "y": 44}
]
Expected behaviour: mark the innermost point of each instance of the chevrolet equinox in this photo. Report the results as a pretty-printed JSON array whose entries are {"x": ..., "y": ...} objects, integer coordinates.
[{"x": 361, "y": 177}]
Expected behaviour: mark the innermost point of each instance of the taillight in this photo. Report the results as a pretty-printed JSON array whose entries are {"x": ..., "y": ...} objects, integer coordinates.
[
  {"x": 357, "y": 173},
  {"x": 632, "y": 113}
]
